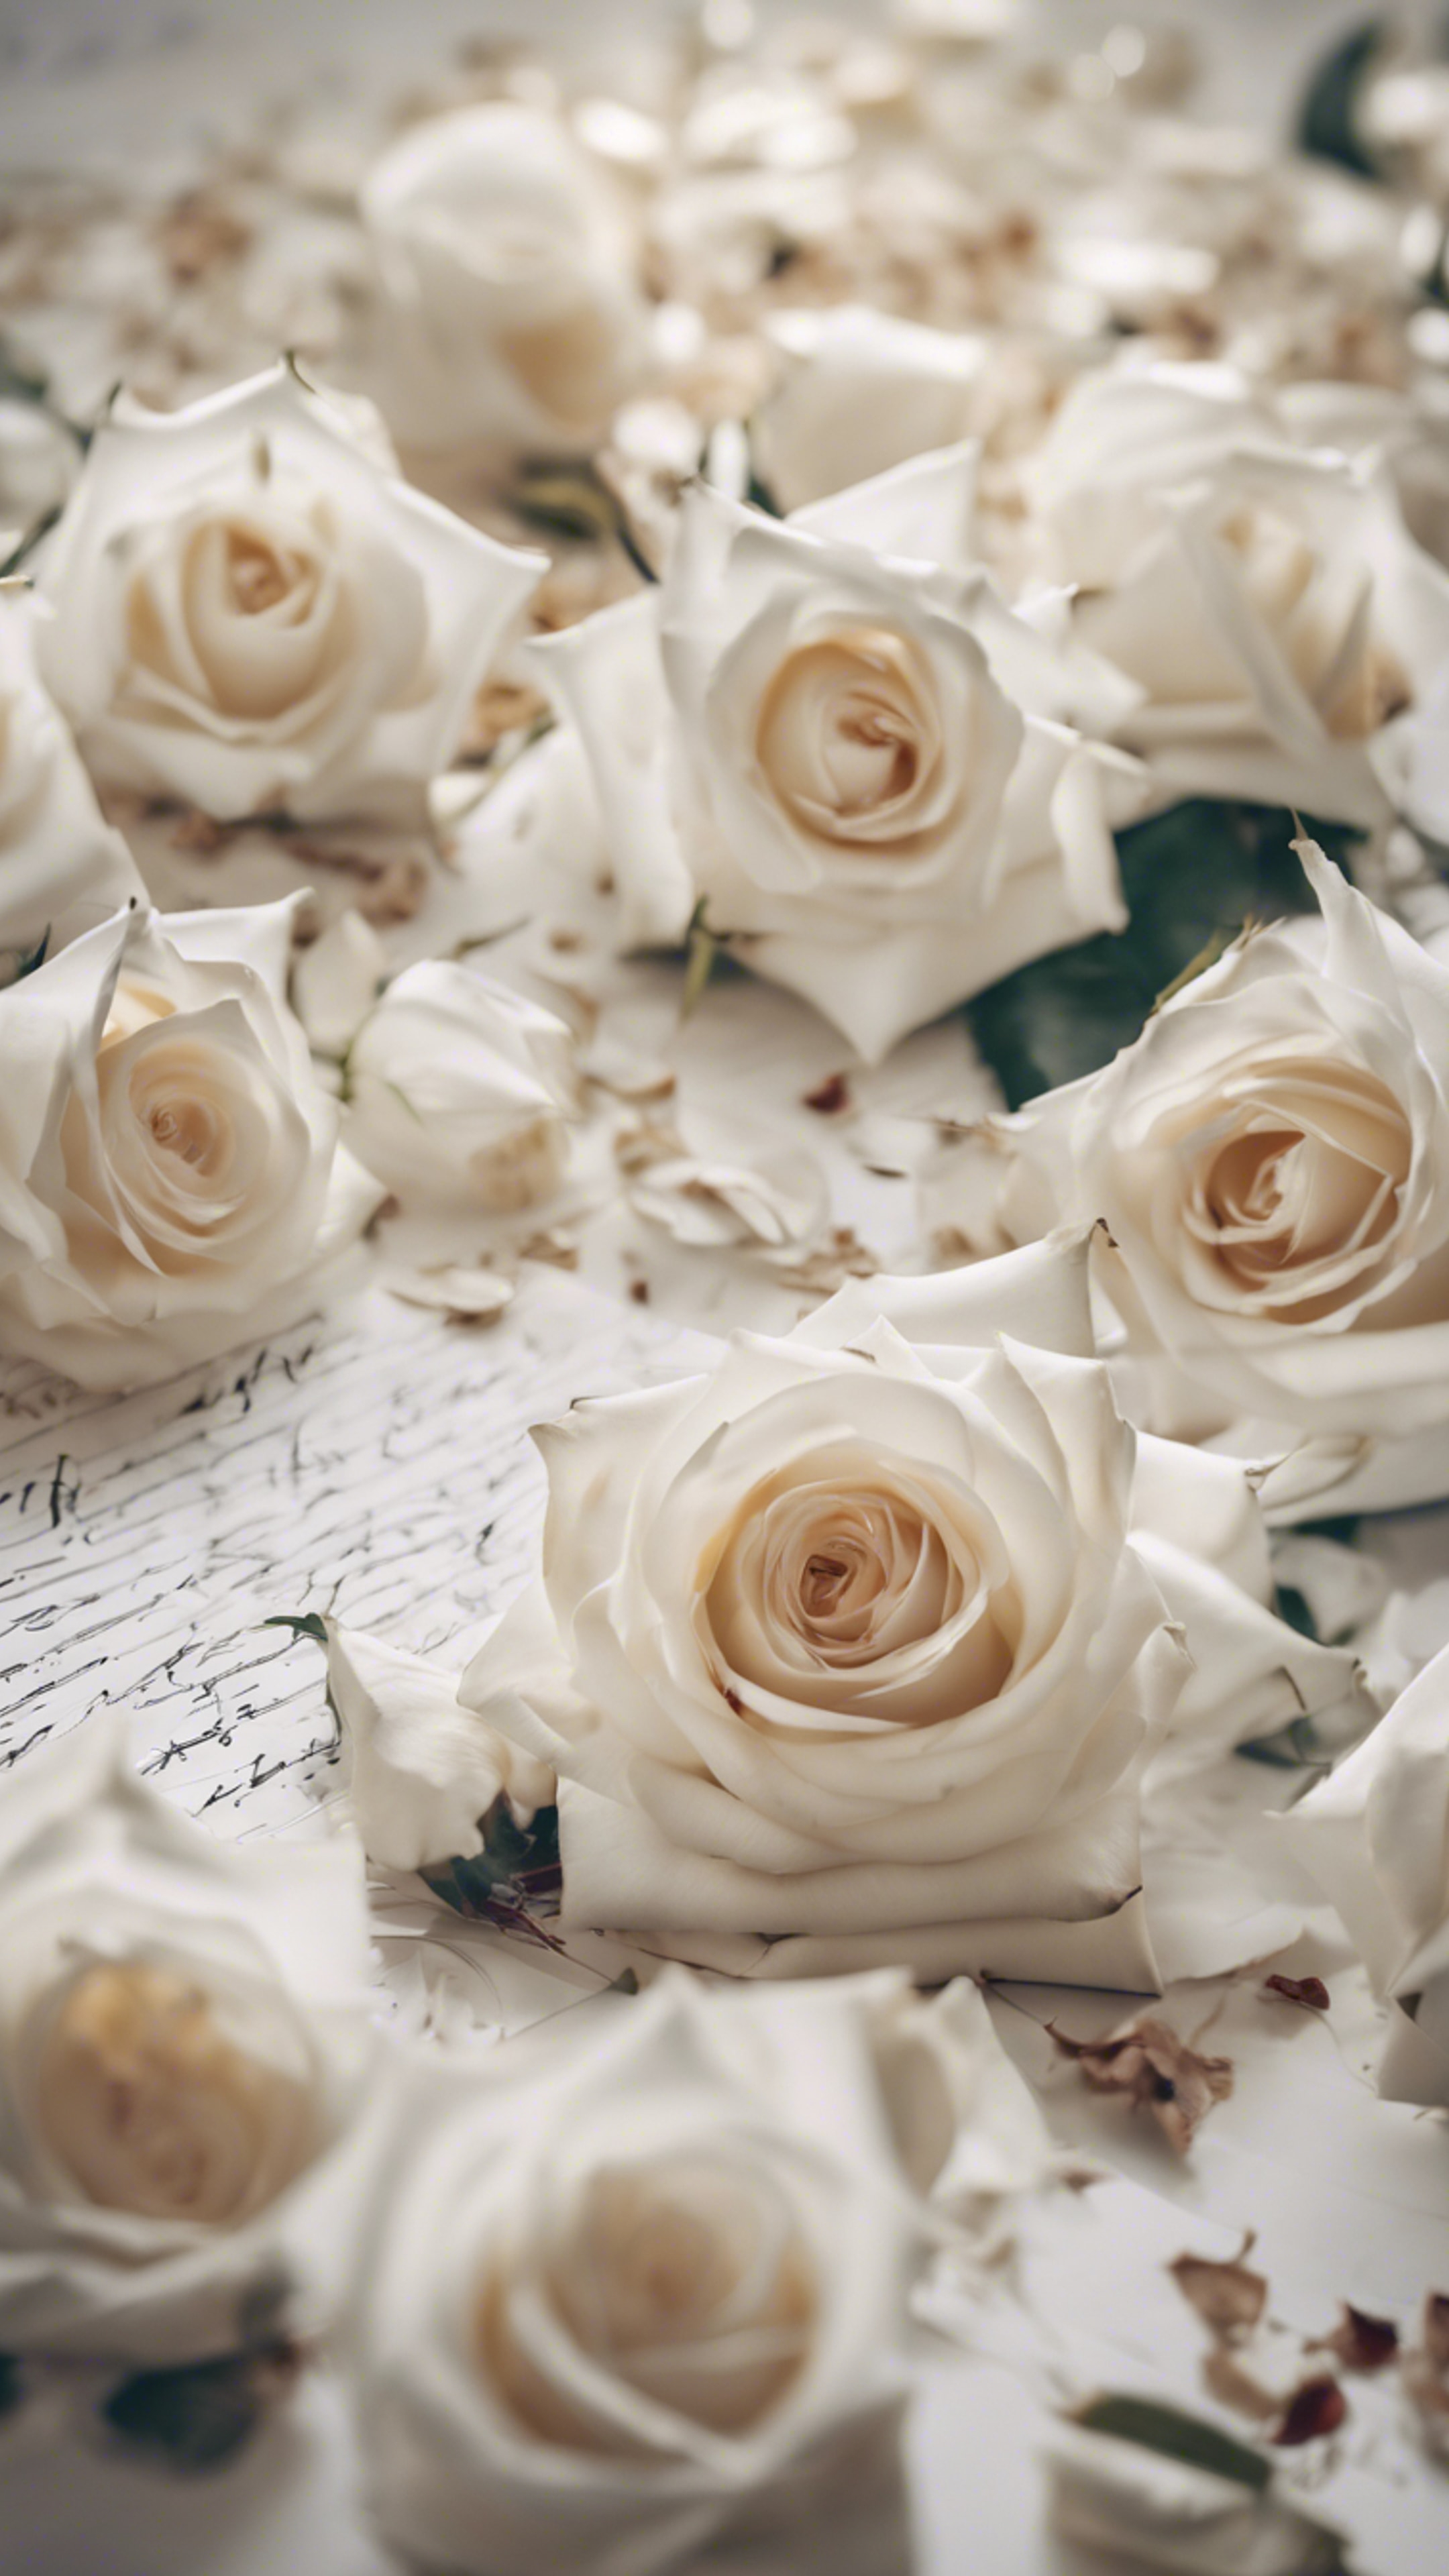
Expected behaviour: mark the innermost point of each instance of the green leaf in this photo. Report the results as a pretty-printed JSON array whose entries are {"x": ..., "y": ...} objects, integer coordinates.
[
  {"x": 515, "y": 1873},
  {"x": 1330, "y": 121},
  {"x": 303, "y": 1623},
  {"x": 700, "y": 955},
  {"x": 21, "y": 553},
  {"x": 1192, "y": 877},
  {"x": 202, "y": 2415},
  {"x": 1295, "y": 1747},
  {"x": 1294, "y": 1611},
  {"x": 1177, "y": 2437},
  {"x": 1343, "y": 1531},
  {"x": 12, "y": 2383},
  {"x": 572, "y": 502}
]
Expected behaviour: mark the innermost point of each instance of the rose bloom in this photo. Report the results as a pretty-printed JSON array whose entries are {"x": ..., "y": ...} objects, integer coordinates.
[
  {"x": 423, "y": 1771},
  {"x": 184, "y": 2048},
  {"x": 459, "y": 1092},
  {"x": 636, "y": 2283},
  {"x": 1270, "y": 1161},
  {"x": 172, "y": 1179},
  {"x": 253, "y": 613},
  {"x": 861, "y": 1647},
  {"x": 62, "y": 869},
  {"x": 510, "y": 317},
  {"x": 849, "y": 751},
  {"x": 1266, "y": 600},
  {"x": 1375, "y": 1837}
]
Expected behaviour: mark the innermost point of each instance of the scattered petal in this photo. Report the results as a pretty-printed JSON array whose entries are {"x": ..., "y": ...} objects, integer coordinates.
[
  {"x": 830, "y": 1097},
  {"x": 1315, "y": 2410},
  {"x": 1311, "y": 1992},
  {"x": 1157, "y": 2071},
  {"x": 1363, "y": 2342},
  {"x": 1227, "y": 2296},
  {"x": 466, "y": 1296}
]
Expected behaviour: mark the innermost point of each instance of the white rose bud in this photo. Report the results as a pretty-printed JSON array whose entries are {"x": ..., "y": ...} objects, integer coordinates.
[
  {"x": 860, "y": 1647},
  {"x": 1267, "y": 602},
  {"x": 859, "y": 764},
  {"x": 424, "y": 1771},
  {"x": 62, "y": 869},
  {"x": 460, "y": 1093},
  {"x": 1375, "y": 1836},
  {"x": 172, "y": 1177},
  {"x": 184, "y": 2050},
  {"x": 510, "y": 319},
  {"x": 1270, "y": 1160},
  {"x": 637, "y": 2284},
  {"x": 254, "y": 615}
]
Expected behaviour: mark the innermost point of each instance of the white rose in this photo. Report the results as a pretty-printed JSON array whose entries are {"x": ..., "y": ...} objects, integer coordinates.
[
  {"x": 1267, "y": 601},
  {"x": 636, "y": 2283},
  {"x": 859, "y": 391},
  {"x": 184, "y": 2047},
  {"x": 510, "y": 317},
  {"x": 253, "y": 614},
  {"x": 423, "y": 1770},
  {"x": 859, "y": 764},
  {"x": 1270, "y": 1160},
  {"x": 168, "y": 1162},
  {"x": 459, "y": 1092},
  {"x": 859, "y": 1648},
  {"x": 1375, "y": 1837},
  {"x": 62, "y": 868}
]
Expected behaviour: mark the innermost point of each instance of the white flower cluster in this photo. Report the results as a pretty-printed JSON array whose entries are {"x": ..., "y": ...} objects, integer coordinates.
[
  {"x": 637, "y": 2285},
  {"x": 959, "y": 470}
]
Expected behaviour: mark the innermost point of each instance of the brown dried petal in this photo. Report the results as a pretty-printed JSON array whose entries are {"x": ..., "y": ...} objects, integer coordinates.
[
  {"x": 1157, "y": 2071},
  {"x": 1436, "y": 2329},
  {"x": 1315, "y": 2409},
  {"x": 829, "y": 1097},
  {"x": 1229, "y": 2380},
  {"x": 1227, "y": 2296},
  {"x": 1311, "y": 1992},
  {"x": 1362, "y": 2342}
]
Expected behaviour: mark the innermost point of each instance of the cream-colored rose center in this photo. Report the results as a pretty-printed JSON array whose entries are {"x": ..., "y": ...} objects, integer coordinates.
[
  {"x": 1329, "y": 648},
  {"x": 824, "y": 1576},
  {"x": 1295, "y": 1184},
  {"x": 150, "y": 2107},
  {"x": 682, "y": 2278},
  {"x": 848, "y": 735},
  {"x": 245, "y": 615}
]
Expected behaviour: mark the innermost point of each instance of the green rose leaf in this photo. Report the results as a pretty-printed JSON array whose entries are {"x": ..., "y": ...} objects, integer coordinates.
[
  {"x": 303, "y": 1623},
  {"x": 1176, "y": 2436},
  {"x": 1330, "y": 123},
  {"x": 199, "y": 2416},
  {"x": 516, "y": 1874},
  {"x": 1194, "y": 877}
]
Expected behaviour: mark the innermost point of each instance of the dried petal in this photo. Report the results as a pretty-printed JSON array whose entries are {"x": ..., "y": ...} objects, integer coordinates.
[
  {"x": 1311, "y": 1992},
  {"x": 1155, "y": 2070},
  {"x": 829, "y": 1097},
  {"x": 1227, "y": 2296},
  {"x": 1362, "y": 2342},
  {"x": 1314, "y": 2410}
]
